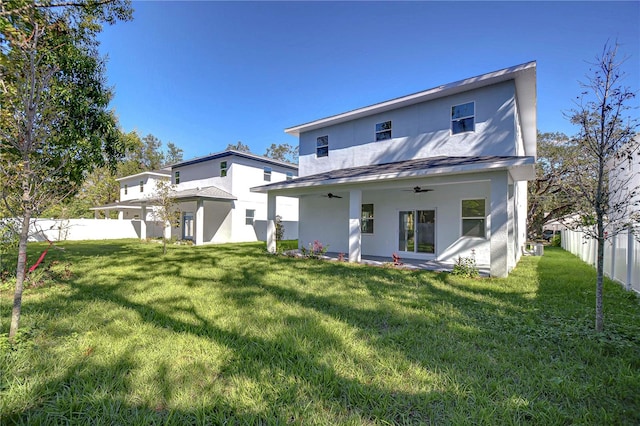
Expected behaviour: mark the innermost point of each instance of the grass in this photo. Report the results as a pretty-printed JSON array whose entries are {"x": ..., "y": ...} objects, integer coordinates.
[{"x": 115, "y": 333}]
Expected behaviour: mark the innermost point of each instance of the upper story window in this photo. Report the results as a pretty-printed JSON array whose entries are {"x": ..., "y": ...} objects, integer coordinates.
[
  {"x": 223, "y": 169},
  {"x": 176, "y": 177},
  {"x": 366, "y": 224},
  {"x": 463, "y": 118},
  {"x": 473, "y": 218},
  {"x": 289, "y": 175},
  {"x": 322, "y": 146},
  {"x": 126, "y": 189},
  {"x": 141, "y": 186},
  {"x": 267, "y": 174},
  {"x": 383, "y": 131}
]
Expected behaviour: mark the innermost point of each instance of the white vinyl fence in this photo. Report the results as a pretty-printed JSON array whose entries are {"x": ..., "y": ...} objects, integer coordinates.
[
  {"x": 90, "y": 229},
  {"x": 621, "y": 255}
]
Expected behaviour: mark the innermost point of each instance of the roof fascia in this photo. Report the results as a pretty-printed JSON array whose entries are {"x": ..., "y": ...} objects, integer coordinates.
[
  {"x": 506, "y": 164},
  {"x": 232, "y": 152},
  {"x": 166, "y": 175}
]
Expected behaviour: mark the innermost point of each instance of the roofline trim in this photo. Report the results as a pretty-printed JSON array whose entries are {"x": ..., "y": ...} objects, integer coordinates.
[
  {"x": 496, "y": 165},
  {"x": 231, "y": 152}
]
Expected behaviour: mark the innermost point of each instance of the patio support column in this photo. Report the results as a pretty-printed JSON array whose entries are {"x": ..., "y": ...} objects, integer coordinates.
[
  {"x": 499, "y": 239},
  {"x": 96, "y": 214},
  {"x": 143, "y": 222},
  {"x": 199, "y": 222},
  {"x": 355, "y": 236},
  {"x": 271, "y": 223},
  {"x": 120, "y": 214}
]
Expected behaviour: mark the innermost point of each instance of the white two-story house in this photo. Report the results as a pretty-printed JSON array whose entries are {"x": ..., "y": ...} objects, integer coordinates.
[
  {"x": 212, "y": 197},
  {"x": 433, "y": 175}
]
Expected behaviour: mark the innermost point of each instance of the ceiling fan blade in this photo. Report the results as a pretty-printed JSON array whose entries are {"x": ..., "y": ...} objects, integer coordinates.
[{"x": 330, "y": 195}]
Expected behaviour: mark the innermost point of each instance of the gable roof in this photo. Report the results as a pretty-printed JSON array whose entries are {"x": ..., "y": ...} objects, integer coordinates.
[
  {"x": 233, "y": 152},
  {"x": 525, "y": 81},
  {"x": 522, "y": 168}
]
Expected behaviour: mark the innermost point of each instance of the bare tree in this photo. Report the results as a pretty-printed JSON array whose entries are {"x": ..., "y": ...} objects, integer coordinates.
[
  {"x": 607, "y": 140},
  {"x": 165, "y": 208}
]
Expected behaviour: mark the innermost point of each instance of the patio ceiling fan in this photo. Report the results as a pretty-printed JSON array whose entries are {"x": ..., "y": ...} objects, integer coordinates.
[
  {"x": 417, "y": 189},
  {"x": 330, "y": 195}
]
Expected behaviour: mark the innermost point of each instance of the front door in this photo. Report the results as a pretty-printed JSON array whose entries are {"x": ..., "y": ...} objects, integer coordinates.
[
  {"x": 187, "y": 226},
  {"x": 417, "y": 231}
]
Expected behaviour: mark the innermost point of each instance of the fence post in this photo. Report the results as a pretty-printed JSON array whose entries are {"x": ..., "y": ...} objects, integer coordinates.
[
  {"x": 614, "y": 247},
  {"x": 630, "y": 256}
]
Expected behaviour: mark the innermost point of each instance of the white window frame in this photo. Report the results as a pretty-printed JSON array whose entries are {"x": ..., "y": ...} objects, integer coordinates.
[
  {"x": 141, "y": 186},
  {"x": 466, "y": 117},
  {"x": 126, "y": 189},
  {"x": 325, "y": 145},
  {"x": 371, "y": 219},
  {"x": 383, "y": 131},
  {"x": 223, "y": 169},
  {"x": 250, "y": 215},
  {"x": 267, "y": 174},
  {"x": 289, "y": 175},
  {"x": 483, "y": 218},
  {"x": 176, "y": 177}
]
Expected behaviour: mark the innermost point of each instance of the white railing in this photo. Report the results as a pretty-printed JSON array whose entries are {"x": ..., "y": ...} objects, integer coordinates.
[{"x": 621, "y": 255}]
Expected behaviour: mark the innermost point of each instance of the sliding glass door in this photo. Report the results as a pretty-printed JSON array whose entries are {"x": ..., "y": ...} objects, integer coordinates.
[{"x": 417, "y": 231}]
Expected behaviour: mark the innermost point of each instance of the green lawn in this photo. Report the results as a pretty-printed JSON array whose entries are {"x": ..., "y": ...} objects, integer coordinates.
[{"x": 229, "y": 334}]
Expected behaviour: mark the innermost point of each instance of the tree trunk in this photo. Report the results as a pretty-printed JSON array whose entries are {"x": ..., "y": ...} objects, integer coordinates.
[
  {"x": 600, "y": 278},
  {"x": 20, "y": 274}
]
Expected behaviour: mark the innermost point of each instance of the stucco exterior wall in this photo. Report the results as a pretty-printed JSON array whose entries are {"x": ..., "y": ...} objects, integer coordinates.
[
  {"x": 419, "y": 131},
  {"x": 326, "y": 220},
  {"x": 133, "y": 192}
]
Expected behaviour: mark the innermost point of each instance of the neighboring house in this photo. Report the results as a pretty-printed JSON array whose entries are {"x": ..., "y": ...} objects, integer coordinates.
[
  {"x": 213, "y": 198},
  {"x": 433, "y": 175},
  {"x": 133, "y": 188}
]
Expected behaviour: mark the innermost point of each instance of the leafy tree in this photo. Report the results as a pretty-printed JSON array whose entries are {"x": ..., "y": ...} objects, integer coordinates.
[
  {"x": 548, "y": 199},
  {"x": 152, "y": 155},
  {"x": 239, "y": 147},
  {"x": 283, "y": 152},
  {"x": 54, "y": 121},
  {"x": 608, "y": 141},
  {"x": 173, "y": 155}
]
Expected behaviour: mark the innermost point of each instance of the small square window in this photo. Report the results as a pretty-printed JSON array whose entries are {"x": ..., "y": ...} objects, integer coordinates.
[
  {"x": 267, "y": 174},
  {"x": 383, "y": 131},
  {"x": 141, "y": 186},
  {"x": 176, "y": 178},
  {"x": 126, "y": 189},
  {"x": 366, "y": 222},
  {"x": 249, "y": 216},
  {"x": 463, "y": 118},
  {"x": 322, "y": 146},
  {"x": 223, "y": 169},
  {"x": 289, "y": 175}
]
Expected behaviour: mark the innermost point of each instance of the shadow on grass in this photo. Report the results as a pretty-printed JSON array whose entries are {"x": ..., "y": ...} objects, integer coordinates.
[{"x": 304, "y": 342}]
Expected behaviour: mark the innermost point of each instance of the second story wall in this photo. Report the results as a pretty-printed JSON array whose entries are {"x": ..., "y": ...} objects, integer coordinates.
[
  {"x": 419, "y": 131},
  {"x": 212, "y": 172},
  {"x": 142, "y": 185},
  {"x": 233, "y": 173}
]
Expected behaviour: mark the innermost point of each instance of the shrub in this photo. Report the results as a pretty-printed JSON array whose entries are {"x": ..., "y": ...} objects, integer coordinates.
[
  {"x": 315, "y": 251},
  {"x": 466, "y": 266}
]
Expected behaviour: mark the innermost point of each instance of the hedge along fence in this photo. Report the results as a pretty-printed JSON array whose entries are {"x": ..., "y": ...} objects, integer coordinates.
[{"x": 621, "y": 255}]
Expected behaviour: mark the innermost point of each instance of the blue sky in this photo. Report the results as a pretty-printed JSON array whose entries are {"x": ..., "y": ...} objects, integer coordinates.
[{"x": 206, "y": 74}]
